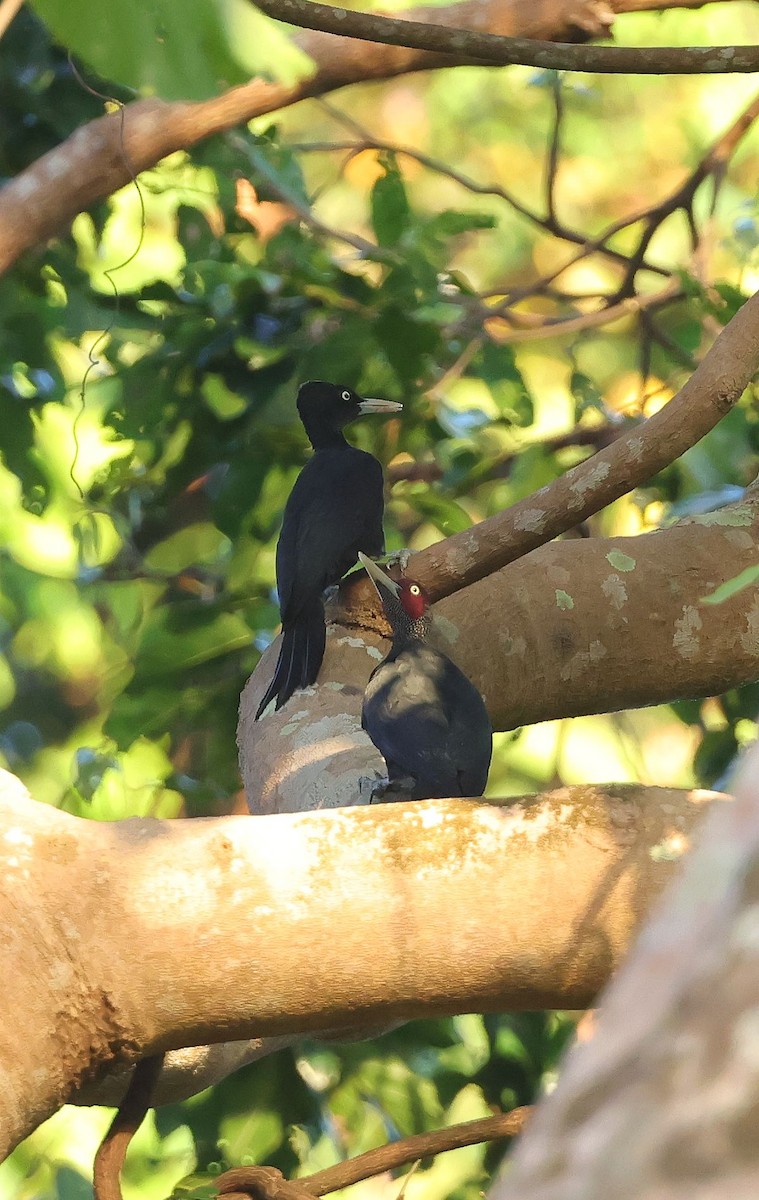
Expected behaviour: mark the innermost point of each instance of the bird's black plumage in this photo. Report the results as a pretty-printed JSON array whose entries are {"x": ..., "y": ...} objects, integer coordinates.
[
  {"x": 334, "y": 510},
  {"x": 425, "y": 717}
]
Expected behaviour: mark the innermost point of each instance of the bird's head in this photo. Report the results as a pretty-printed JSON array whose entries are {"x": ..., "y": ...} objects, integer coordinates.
[
  {"x": 325, "y": 408},
  {"x": 406, "y": 603}
]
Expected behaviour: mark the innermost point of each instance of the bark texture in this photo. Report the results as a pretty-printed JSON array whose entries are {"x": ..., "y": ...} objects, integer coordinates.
[
  {"x": 575, "y": 627},
  {"x": 123, "y": 940},
  {"x": 662, "y": 1104}
]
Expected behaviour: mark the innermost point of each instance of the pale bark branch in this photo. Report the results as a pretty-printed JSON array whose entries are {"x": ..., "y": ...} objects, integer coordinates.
[
  {"x": 663, "y": 1101},
  {"x": 584, "y": 626},
  {"x": 123, "y": 940},
  {"x": 493, "y": 49},
  {"x": 106, "y": 154}
]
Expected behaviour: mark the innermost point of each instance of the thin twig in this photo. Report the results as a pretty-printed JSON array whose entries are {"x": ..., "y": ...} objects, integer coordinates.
[
  {"x": 506, "y": 51},
  {"x": 419, "y": 1145},
  {"x": 266, "y": 1183},
  {"x": 552, "y": 160},
  {"x": 131, "y": 1113},
  {"x": 365, "y": 248},
  {"x": 538, "y": 329},
  {"x": 711, "y": 163},
  {"x": 368, "y": 142}
]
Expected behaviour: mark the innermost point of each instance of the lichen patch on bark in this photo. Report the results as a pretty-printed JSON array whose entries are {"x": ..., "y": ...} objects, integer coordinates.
[
  {"x": 615, "y": 591},
  {"x": 686, "y": 641}
]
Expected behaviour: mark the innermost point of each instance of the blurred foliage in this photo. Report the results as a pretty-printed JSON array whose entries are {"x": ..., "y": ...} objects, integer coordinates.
[{"x": 149, "y": 360}]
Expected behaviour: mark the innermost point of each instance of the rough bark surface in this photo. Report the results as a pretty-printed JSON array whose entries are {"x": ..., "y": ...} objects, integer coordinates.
[
  {"x": 575, "y": 627},
  {"x": 662, "y": 1104},
  {"x": 127, "y": 939}
]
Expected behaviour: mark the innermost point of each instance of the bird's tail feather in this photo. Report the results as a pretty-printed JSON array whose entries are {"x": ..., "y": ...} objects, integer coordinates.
[{"x": 300, "y": 656}]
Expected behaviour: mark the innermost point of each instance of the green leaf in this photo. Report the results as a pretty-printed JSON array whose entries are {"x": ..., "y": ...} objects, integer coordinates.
[
  {"x": 444, "y": 513},
  {"x": 389, "y": 205},
  {"x": 731, "y": 587},
  {"x": 496, "y": 365},
  {"x": 451, "y": 223},
  {"x": 174, "y": 641},
  {"x": 186, "y": 51},
  {"x": 194, "y": 545},
  {"x": 585, "y": 392}
]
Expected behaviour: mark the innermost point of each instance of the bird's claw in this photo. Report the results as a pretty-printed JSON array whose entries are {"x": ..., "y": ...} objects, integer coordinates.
[
  {"x": 399, "y": 558},
  {"x": 373, "y": 787}
]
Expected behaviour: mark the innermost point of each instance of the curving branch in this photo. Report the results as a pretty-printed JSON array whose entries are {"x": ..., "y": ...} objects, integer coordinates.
[
  {"x": 106, "y": 154},
  {"x": 493, "y": 49},
  {"x": 635, "y": 457},
  {"x": 145, "y": 935},
  {"x": 240, "y": 1183}
]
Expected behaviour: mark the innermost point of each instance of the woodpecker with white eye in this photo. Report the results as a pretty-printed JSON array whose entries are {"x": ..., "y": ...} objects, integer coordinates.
[
  {"x": 425, "y": 717},
  {"x": 334, "y": 511}
]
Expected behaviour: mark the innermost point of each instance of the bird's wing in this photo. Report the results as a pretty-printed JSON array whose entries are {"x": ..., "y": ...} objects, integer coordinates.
[
  {"x": 334, "y": 510},
  {"x": 470, "y": 732},
  {"x": 409, "y": 725}
]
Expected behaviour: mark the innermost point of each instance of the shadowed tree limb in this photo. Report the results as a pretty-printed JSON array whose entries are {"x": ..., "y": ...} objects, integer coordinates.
[{"x": 112, "y": 1151}]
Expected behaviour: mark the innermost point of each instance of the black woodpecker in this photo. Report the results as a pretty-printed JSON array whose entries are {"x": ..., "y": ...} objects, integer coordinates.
[
  {"x": 425, "y": 717},
  {"x": 334, "y": 510}
]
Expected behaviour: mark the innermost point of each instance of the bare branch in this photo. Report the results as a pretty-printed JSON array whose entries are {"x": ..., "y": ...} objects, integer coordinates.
[
  {"x": 532, "y": 328},
  {"x": 495, "y": 50},
  {"x": 710, "y": 393},
  {"x": 552, "y": 160},
  {"x": 712, "y": 164},
  {"x": 247, "y": 1180},
  {"x": 109, "y": 1159}
]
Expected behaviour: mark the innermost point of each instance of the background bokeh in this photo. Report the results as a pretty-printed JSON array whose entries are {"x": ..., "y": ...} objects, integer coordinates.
[{"x": 149, "y": 359}]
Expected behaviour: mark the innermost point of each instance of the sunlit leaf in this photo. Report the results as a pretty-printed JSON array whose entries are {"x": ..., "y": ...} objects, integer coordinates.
[
  {"x": 389, "y": 204},
  {"x": 188, "y": 51},
  {"x": 731, "y": 587}
]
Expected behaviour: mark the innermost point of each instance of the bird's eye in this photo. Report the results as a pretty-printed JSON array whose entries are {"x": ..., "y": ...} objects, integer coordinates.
[
  {"x": 346, "y": 395},
  {"x": 415, "y": 589}
]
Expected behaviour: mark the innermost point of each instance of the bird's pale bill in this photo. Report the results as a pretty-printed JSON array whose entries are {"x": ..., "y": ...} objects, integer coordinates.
[
  {"x": 378, "y": 406},
  {"x": 378, "y": 576}
]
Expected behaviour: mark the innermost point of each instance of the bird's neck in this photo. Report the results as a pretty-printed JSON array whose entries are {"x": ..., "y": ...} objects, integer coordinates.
[
  {"x": 409, "y": 633},
  {"x": 322, "y": 437}
]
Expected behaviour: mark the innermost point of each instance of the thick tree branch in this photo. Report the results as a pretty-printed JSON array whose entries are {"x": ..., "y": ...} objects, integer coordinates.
[
  {"x": 584, "y": 626},
  {"x": 145, "y": 935},
  {"x": 663, "y": 1100},
  {"x": 496, "y": 50},
  {"x": 105, "y": 155}
]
